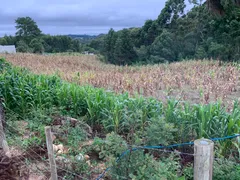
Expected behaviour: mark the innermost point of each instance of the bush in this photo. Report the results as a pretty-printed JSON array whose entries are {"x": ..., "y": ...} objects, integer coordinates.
[
  {"x": 22, "y": 47},
  {"x": 138, "y": 165},
  {"x": 133, "y": 164},
  {"x": 222, "y": 170},
  {"x": 37, "y": 45},
  {"x": 159, "y": 132}
]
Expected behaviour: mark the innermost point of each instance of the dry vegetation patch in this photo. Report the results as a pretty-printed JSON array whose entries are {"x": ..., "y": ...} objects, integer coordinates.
[{"x": 194, "y": 81}]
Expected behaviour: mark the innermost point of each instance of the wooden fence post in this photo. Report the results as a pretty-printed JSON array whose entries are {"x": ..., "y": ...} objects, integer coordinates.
[
  {"x": 51, "y": 158},
  {"x": 3, "y": 141},
  {"x": 203, "y": 159}
]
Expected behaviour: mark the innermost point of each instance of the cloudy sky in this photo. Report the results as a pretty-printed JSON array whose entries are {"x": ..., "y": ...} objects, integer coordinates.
[{"x": 79, "y": 16}]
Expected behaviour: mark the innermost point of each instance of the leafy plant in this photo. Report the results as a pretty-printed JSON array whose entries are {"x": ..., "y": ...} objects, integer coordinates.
[
  {"x": 159, "y": 132},
  {"x": 113, "y": 146}
]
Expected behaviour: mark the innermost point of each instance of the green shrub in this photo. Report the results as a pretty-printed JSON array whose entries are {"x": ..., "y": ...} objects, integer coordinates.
[
  {"x": 138, "y": 165},
  {"x": 222, "y": 170},
  {"x": 159, "y": 132},
  {"x": 225, "y": 169},
  {"x": 133, "y": 164},
  {"x": 112, "y": 147}
]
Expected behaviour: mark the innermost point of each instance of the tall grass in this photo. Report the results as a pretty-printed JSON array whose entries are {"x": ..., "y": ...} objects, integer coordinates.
[{"x": 23, "y": 92}]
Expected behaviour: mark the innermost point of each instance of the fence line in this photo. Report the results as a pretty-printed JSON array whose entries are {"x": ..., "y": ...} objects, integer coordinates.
[
  {"x": 131, "y": 149},
  {"x": 45, "y": 160},
  {"x": 25, "y": 152},
  {"x": 163, "y": 147},
  {"x": 40, "y": 157}
]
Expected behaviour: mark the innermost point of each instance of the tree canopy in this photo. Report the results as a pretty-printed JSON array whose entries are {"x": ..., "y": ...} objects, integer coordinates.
[
  {"x": 29, "y": 38},
  {"x": 211, "y": 29},
  {"x": 27, "y": 28}
]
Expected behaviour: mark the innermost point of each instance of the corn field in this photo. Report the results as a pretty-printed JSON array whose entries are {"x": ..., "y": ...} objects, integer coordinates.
[
  {"x": 23, "y": 91},
  {"x": 200, "y": 81}
]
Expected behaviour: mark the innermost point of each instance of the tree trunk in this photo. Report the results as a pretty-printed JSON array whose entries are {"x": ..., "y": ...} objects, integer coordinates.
[{"x": 216, "y": 7}]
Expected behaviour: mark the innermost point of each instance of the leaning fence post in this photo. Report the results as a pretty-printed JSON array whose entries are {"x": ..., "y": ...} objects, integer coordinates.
[
  {"x": 51, "y": 153},
  {"x": 3, "y": 141},
  {"x": 203, "y": 159}
]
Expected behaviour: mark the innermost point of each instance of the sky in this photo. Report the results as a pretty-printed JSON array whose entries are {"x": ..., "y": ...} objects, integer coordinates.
[{"x": 79, "y": 16}]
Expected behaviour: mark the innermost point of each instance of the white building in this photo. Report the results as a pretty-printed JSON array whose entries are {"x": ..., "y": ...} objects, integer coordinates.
[{"x": 8, "y": 49}]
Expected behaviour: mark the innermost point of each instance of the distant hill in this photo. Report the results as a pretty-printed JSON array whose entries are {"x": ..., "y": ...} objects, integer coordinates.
[{"x": 84, "y": 38}]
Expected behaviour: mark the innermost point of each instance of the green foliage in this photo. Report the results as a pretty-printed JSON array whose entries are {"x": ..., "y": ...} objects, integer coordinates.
[
  {"x": 159, "y": 132},
  {"x": 134, "y": 118},
  {"x": 179, "y": 34},
  {"x": 128, "y": 120},
  {"x": 137, "y": 165},
  {"x": 22, "y": 47},
  {"x": 163, "y": 48},
  {"x": 56, "y": 44},
  {"x": 27, "y": 29},
  {"x": 142, "y": 53},
  {"x": 201, "y": 53},
  {"x": 3, "y": 65},
  {"x": 113, "y": 146},
  {"x": 3, "y": 41},
  {"x": 226, "y": 170},
  {"x": 73, "y": 135},
  {"x": 123, "y": 50},
  {"x": 118, "y": 47},
  {"x": 108, "y": 47},
  {"x": 36, "y": 45},
  {"x": 29, "y": 38},
  {"x": 171, "y": 11},
  {"x": 222, "y": 169}
]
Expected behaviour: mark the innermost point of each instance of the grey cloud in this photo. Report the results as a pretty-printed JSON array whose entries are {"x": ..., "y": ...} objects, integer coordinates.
[{"x": 79, "y": 16}]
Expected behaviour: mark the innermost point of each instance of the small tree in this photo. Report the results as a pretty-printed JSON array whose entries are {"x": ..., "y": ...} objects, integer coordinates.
[
  {"x": 3, "y": 41},
  {"x": 37, "y": 46},
  {"x": 201, "y": 53},
  {"x": 123, "y": 50},
  {"x": 22, "y": 47},
  {"x": 108, "y": 47}
]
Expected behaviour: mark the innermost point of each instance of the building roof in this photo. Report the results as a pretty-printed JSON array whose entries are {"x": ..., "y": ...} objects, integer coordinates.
[{"x": 8, "y": 49}]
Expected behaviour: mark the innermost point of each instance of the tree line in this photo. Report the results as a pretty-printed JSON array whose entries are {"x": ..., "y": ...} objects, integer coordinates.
[
  {"x": 29, "y": 38},
  {"x": 209, "y": 30}
]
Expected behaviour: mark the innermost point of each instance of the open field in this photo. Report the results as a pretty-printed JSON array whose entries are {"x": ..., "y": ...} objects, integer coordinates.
[{"x": 193, "y": 81}]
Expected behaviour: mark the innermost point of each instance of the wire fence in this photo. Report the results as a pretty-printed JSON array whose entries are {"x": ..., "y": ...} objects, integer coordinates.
[
  {"x": 30, "y": 161},
  {"x": 164, "y": 149},
  {"x": 35, "y": 158}
]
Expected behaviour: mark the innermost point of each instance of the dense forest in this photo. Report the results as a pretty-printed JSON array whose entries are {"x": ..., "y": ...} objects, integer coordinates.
[{"x": 209, "y": 30}]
